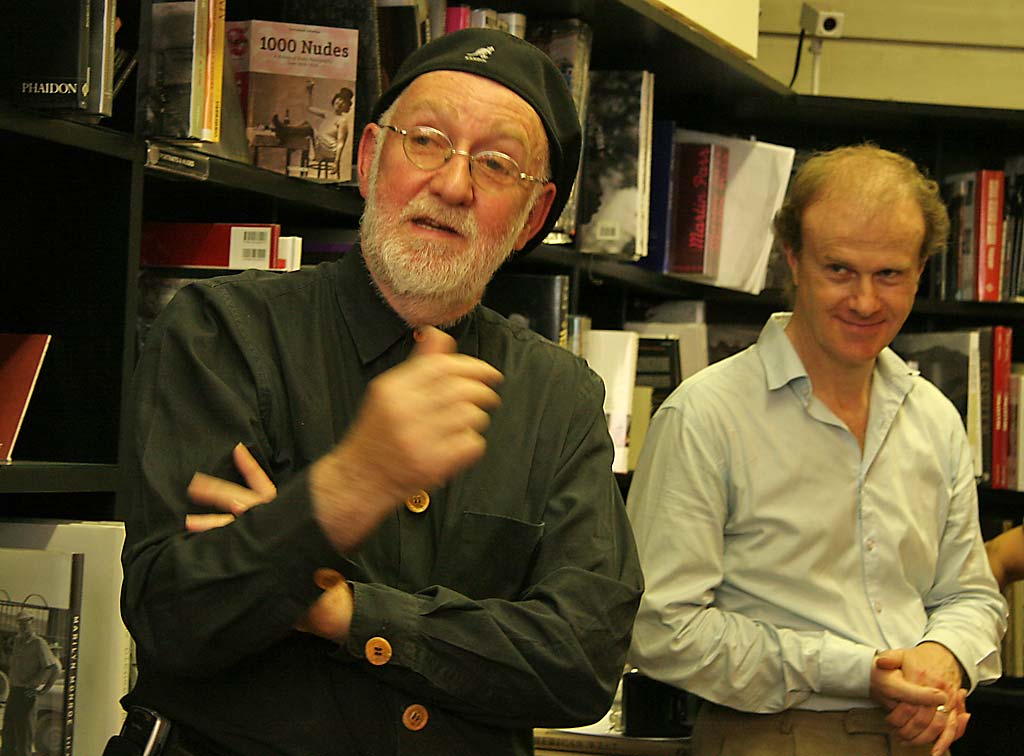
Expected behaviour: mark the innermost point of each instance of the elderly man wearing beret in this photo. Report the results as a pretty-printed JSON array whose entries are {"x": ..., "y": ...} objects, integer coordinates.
[{"x": 440, "y": 559}]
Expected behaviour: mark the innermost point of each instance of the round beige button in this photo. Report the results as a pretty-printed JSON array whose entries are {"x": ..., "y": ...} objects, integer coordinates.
[
  {"x": 378, "y": 651},
  {"x": 418, "y": 502},
  {"x": 415, "y": 717}
]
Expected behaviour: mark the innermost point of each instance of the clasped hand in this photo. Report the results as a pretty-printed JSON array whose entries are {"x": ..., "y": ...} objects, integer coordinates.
[{"x": 920, "y": 688}]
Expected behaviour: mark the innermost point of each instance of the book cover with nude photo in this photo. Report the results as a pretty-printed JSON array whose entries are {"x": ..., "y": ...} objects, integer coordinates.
[{"x": 297, "y": 84}]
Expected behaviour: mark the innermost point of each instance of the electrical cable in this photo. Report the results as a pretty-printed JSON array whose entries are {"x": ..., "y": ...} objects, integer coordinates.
[{"x": 796, "y": 63}]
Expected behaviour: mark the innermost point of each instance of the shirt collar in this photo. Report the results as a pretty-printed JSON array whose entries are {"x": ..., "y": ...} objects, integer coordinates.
[
  {"x": 780, "y": 360},
  {"x": 782, "y": 365},
  {"x": 374, "y": 326}
]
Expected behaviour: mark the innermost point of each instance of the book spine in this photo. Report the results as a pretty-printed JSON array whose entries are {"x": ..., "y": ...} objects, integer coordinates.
[
  {"x": 1002, "y": 352},
  {"x": 989, "y": 234},
  {"x": 214, "y": 91},
  {"x": 456, "y": 17},
  {"x": 716, "y": 208},
  {"x": 102, "y": 26},
  {"x": 84, "y": 52},
  {"x": 986, "y": 352},
  {"x": 74, "y": 639},
  {"x": 659, "y": 233},
  {"x": 1013, "y": 445},
  {"x": 200, "y": 56},
  {"x": 692, "y": 204}
]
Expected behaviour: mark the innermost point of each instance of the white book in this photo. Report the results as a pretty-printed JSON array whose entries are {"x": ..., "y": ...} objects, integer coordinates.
[
  {"x": 104, "y": 651},
  {"x": 758, "y": 175},
  {"x": 612, "y": 355}
]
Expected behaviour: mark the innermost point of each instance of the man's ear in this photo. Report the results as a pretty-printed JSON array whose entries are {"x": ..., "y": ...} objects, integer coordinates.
[
  {"x": 538, "y": 215},
  {"x": 367, "y": 147},
  {"x": 791, "y": 260}
]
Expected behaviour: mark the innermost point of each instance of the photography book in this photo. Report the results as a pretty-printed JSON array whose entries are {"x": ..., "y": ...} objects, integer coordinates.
[
  {"x": 105, "y": 646},
  {"x": 41, "y": 615},
  {"x": 297, "y": 84},
  {"x": 615, "y": 181},
  {"x": 176, "y": 88}
]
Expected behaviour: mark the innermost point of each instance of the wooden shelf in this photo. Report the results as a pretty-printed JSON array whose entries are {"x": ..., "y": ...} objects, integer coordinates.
[
  {"x": 57, "y": 477},
  {"x": 343, "y": 199},
  {"x": 83, "y": 136}
]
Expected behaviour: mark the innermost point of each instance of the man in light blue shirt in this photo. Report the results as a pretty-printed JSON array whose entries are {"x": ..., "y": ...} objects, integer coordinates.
[{"x": 806, "y": 510}]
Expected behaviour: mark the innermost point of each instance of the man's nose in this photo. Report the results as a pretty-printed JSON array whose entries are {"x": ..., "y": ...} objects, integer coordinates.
[
  {"x": 453, "y": 181},
  {"x": 864, "y": 298}
]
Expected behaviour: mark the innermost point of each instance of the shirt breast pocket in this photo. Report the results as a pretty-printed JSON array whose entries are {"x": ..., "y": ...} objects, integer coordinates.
[{"x": 490, "y": 558}]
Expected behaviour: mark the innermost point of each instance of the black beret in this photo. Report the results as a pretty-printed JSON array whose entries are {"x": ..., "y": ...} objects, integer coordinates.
[{"x": 524, "y": 69}]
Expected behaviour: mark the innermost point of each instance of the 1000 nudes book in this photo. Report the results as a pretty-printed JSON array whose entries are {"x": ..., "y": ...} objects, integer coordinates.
[{"x": 297, "y": 83}]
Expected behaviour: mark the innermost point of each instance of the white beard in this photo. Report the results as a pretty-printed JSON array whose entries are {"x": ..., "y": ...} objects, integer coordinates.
[{"x": 433, "y": 277}]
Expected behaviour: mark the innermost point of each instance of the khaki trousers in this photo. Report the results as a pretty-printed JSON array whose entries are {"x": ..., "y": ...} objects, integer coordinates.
[{"x": 721, "y": 731}]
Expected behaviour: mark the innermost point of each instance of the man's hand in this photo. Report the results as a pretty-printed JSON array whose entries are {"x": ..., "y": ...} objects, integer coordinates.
[
  {"x": 331, "y": 616},
  {"x": 919, "y": 720},
  {"x": 226, "y": 496},
  {"x": 421, "y": 422}
]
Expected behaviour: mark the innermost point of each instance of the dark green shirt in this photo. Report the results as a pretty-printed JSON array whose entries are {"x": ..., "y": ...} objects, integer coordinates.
[{"x": 507, "y": 604}]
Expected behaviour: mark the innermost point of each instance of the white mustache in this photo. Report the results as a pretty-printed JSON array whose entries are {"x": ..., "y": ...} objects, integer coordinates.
[{"x": 460, "y": 221}]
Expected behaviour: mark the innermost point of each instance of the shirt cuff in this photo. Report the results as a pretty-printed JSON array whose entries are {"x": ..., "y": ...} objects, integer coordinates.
[{"x": 845, "y": 668}]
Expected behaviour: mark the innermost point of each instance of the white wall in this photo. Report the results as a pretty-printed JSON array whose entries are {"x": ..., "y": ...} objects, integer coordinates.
[{"x": 955, "y": 52}]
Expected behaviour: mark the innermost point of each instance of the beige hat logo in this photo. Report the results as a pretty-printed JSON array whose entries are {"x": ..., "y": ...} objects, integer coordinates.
[{"x": 480, "y": 54}]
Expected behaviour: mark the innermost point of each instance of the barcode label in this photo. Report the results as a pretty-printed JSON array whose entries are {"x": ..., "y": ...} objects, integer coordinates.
[{"x": 251, "y": 247}]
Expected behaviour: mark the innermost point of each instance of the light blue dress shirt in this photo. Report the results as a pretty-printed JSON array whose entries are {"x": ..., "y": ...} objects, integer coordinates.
[{"x": 778, "y": 556}]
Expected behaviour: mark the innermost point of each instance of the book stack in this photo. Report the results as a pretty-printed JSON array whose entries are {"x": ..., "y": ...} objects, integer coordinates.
[
  {"x": 973, "y": 368},
  {"x": 973, "y": 267}
]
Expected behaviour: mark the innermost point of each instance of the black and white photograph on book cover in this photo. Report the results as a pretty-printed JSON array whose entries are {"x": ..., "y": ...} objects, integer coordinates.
[
  {"x": 40, "y": 610},
  {"x": 612, "y": 189},
  {"x": 297, "y": 84},
  {"x": 170, "y": 97}
]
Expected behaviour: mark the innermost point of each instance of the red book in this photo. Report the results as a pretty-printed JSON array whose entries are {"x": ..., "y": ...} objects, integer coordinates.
[
  {"x": 699, "y": 185},
  {"x": 232, "y": 246},
  {"x": 21, "y": 357},
  {"x": 988, "y": 224},
  {"x": 1002, "y": 356}
]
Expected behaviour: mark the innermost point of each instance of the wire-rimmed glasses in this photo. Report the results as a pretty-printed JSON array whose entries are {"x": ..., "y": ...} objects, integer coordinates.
[{"x": 429, "y": 149}]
